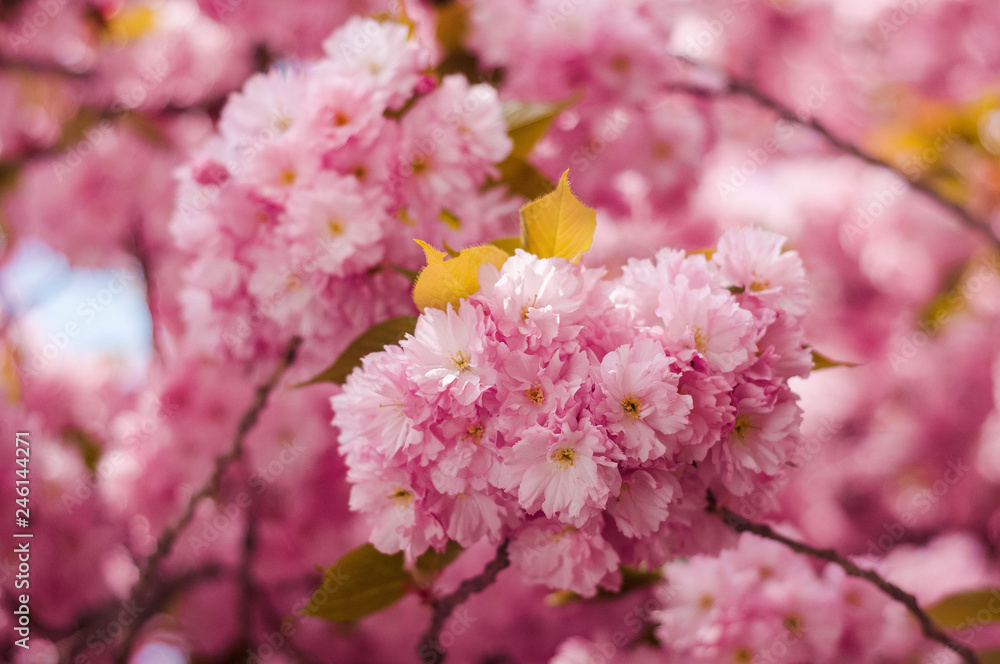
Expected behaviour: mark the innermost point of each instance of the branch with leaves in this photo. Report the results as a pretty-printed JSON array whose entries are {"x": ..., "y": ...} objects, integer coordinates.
[
  {"x": 930, "y": 629},
  {"x": 733, "y": 86}
]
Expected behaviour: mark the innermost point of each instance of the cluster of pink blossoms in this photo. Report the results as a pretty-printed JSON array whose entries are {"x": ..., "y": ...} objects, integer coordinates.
[
  {"x": 293, "y": 212},
  {"x": 761, "y": 602},
  {"x": 567, "y": 411}
]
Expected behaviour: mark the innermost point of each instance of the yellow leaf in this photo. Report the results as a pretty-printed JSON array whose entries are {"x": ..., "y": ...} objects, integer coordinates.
[
  {"x": 129, "y": 24},
  {"x": 964, "y": 609},
  {"x": 508, "y": 244},
  {"x": 821, "y": 361},
  {"x": 452, "y": 26},
  {"x": 445, "y": 282},
  {"x": 558, "y": 224}
]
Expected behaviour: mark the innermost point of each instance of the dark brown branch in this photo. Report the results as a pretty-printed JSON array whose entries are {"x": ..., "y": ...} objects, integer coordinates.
[
  {"x": 147, "y": 577},
  {"x": 428, "y": 649},
  {"x": 927, "y": 625},
  {"x": 734, "y": 86}
]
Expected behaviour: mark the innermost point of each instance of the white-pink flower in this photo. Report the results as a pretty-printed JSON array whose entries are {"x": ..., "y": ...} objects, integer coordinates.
[
  {"x": 565, "y": 473},
  {"x": 639, "y": 400}
]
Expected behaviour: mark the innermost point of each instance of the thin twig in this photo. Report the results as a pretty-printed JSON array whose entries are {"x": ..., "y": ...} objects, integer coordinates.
[
  {"x": 735, "y": 86},
  {"x": 927, "y": 625},
  {"x": 428, "y": 649},
  {"x": 246, "y": 577},
  {"x": 165, "y": 544}
]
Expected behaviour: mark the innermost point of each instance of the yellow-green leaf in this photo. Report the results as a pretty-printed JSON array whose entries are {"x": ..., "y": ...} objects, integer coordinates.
[
  {"x": 989, "y": 656},
  {"x": 821, "y": 361},
  {"x": 962, "y": 609},
  {"x": 527, "y": 123},
  {"x": 362, "y": 582},
  {"x": 370, "y": 341},
  {"x": 558, "y": 224},
  {"x": 452, "y": 26},
  {"x": 431, "y": 562},
  {"x": 508, "y": 244},
  {"x": 443, "y": 282},
  {"x": 522, "y": 179},
  {"x": 90, "y": 449},
  {"x": 450, "y": 219}
]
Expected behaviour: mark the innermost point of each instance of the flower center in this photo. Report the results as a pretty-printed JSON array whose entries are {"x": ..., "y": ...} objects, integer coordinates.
[
  {"x": 742, "y": 426},
  {"x": 564, "y": 457},
  {"x": 335, "y": 227},
  {"x": 793, "y": 623},
  {"x": 705, "y": 602},
  {"x": 287, "y": 177},
  {"x": 632, "y": 406},
  {"x": 758, "y": 286},
  {"x": 461, "y": 360},
  {"x": 401, "y": 497},
  {"x": 340, "y": 118},
  {"x": 535, "y": 394},
  {"x": 700, "y": 340},
  {"x": 742, "y": 656},
  {"x": 475, "y": 432}
]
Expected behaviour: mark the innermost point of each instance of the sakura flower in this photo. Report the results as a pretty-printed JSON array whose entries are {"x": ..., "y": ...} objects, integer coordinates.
[
  {"x": 400, "y": 519},
  {"x": 764, "y": 429},
  {"x": 751, "y": 259},
  {"x": 561, "y": 556},
  {"x": 565, "y": 473},
  {"x": 536, "y": 299},
  {"x": 448, "y": 353},
  {"x": 707, "y": 322},
  {"x": 643, "y": 503},
  {"x": 640, "y": 401}
]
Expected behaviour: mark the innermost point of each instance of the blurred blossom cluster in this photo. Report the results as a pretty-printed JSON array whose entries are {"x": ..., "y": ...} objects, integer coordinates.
[{"x": 789, "y": 310}]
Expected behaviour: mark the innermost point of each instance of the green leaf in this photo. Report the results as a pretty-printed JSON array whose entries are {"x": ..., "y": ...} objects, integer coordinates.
[
  {"x": 963, "y": 609},
  {"x": 821, "y": 361},
  {"x": 370, "y": 341},
  {"x": 431, "y": 562},
  {"x": 406, "y": 272},
  {"x": 558, "y": 224},
  {"x": 362, "y": 582},
  {"x": 88, "y": 446}
]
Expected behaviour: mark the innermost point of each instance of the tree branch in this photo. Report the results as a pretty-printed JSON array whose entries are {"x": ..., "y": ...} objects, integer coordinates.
[
  {"x": 428, "y": 649},
  {"x": 739, "y": 87},
  {"x": 927, "y": 625},
  {"x": 147, "y": 577}
]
